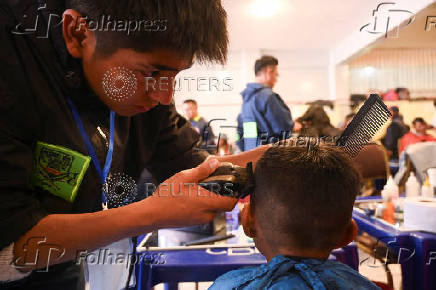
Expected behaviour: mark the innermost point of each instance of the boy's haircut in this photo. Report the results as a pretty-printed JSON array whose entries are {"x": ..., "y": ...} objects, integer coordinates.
[
  {"x": 304, "y": 199},
  {"x": 191, "y": 101},
  {"x": 264, "y": 61},
  {"x": 194, "y": 28}
]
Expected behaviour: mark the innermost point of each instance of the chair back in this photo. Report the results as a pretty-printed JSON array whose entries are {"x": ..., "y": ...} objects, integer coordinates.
[{"x": 372, "y": 162}]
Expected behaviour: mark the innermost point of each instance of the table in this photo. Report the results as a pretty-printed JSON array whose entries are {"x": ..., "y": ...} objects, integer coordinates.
[
  {"x": 177, "y": 266},
  {"x": 416, "y": 250}
]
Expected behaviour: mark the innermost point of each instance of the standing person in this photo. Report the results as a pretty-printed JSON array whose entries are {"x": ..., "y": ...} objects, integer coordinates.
[
  {"x": 264, "y": 115},
  {"x": 76, "y": 113},
  {"x": 190, "y": 108},
  {"x": 394, "y": 132}
]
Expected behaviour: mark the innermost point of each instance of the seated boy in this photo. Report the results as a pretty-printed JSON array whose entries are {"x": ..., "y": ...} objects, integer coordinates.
[{"x": 300, "y": 211}]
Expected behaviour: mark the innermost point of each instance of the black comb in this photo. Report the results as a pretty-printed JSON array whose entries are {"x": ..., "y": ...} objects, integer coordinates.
[{"x": 370, "y": 118}]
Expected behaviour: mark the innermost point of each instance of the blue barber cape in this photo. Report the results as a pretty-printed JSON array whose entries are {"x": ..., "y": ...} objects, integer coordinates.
[{"x": 294, "y": 273}]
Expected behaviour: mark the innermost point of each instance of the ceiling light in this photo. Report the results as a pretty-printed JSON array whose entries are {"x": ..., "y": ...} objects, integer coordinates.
[
  {"x": 369, "y": 70},
  {"x": 265, "y": 8}
]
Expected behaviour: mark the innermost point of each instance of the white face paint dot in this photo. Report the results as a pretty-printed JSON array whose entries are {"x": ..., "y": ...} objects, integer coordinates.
[
  {"x": 120, "y": 189},
  {"x": 119, "y": 83}
]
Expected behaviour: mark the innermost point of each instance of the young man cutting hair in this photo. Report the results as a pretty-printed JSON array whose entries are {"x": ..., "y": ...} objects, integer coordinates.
[{"x": 76, "y": 110}]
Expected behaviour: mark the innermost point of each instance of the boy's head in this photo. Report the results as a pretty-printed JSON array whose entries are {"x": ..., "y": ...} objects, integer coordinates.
[
  {"x": 302, "y": 202},
  {"x": 132, "y": 50}
]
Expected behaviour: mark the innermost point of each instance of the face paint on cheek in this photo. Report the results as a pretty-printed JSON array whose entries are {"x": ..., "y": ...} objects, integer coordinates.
[{"x": 119, "y": 84}]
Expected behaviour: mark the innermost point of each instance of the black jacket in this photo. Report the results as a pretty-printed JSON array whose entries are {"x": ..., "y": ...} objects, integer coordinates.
[
  {"x": 394, "y": 132},
  {"x": 36, "y": 76}
]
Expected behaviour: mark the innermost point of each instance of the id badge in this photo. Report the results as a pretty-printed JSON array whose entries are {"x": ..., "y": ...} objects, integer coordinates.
[{"x": 59, "y": 170}]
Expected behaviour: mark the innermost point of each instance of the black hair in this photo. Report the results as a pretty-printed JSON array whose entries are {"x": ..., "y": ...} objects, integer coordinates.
[
  {"x": 304, "y": 198},
  {"x": 395, "y": 109},
  {"x": 264, "y": 61},
  {"x": 193, "y": 28},
  {"x": 191, "y": 101},
  {"x": 418, "y": 120}
]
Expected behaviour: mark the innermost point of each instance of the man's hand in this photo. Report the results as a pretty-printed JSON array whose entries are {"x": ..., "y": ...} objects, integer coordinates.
[
  {"x": 177, "y": 202},
  {"x": 184, "y": 202}
]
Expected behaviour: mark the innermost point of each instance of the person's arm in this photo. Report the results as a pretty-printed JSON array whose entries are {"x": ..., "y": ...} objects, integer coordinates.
[
  {"x": 55, "y": 238},
  {"x": 391, "y": 140},
  {"x": 278, "y": 114},
  {"x": 392, "y": 136},
  {"x": 243, "y": 158},
  {"x": 74, "y": 233}
]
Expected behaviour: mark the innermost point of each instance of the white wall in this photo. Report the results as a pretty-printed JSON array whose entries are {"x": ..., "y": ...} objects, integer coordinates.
[{"x": 303, "y": 77}]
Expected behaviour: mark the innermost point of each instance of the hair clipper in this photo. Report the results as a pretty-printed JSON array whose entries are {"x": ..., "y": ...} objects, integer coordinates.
[{"x": 230, "y": 180}]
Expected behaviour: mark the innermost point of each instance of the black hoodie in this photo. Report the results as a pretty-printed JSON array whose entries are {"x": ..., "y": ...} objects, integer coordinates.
[{"x": 36, "y": 76}]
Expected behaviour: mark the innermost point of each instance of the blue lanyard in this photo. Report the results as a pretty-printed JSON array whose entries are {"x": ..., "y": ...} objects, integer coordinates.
[{"x": 107, "y": 165}]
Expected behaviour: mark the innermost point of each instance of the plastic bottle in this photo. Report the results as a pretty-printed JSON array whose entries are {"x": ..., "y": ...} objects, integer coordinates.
[
  {"x": 413, "y": 188},
  {"x": 390, "y": 190},
  {"x": 426, "y": 189}
]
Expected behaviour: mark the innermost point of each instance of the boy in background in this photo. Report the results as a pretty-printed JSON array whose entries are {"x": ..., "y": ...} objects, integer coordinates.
[{"x": 300, "y": 211}]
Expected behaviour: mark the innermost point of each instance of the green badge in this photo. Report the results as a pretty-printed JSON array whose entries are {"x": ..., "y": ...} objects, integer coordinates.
[
  {"x": 59, "y": 170},
  {"x": 250, "y": 129}
]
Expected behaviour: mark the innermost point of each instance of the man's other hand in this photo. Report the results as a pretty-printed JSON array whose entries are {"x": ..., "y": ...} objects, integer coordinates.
[{"x": 184, "y": 202}]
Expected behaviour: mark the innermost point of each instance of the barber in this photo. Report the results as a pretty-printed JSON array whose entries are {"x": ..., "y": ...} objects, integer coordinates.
[{"x": 67, "y": 125}]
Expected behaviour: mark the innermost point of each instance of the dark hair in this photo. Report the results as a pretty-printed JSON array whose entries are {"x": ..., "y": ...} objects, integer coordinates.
[
  {"x": 418, "y": 120},
  {"x": 397, "y": 90},
  {"x": 395, "y": 109},
  {"x": 434, "y": 103},
  {"x": 304, "y": 199},
  {"x": 195, "y": 28},
  {"x": 264, "y": 61},
  {"x": 191, "y": 101}
]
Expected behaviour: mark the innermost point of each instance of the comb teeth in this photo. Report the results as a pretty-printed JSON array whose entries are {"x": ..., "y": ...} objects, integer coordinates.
[{"x": 364, "y": 125}]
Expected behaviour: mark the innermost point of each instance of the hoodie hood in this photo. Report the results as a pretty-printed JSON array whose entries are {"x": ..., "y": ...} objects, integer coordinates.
[{"x": 251, "y": 90}]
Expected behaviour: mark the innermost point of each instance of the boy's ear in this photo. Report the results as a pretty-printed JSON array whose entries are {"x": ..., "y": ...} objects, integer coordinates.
[
  {"x": 349, "y": 235},
  {"x": 75, "y": 31},
  {"x": 248, "y": 221}
]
